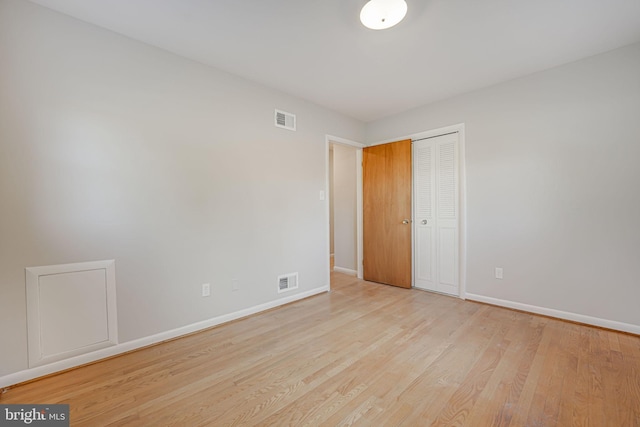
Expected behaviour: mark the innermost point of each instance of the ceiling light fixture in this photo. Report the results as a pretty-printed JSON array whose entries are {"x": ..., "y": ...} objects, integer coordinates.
[{"x": 382, "y": 14}]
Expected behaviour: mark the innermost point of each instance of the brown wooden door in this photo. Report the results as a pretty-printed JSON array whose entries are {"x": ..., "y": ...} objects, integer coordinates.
[{"x": 386, "y": 179}]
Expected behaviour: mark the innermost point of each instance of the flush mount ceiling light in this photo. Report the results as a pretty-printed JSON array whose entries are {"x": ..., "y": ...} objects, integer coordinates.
[{"x": 382, "y": 14}]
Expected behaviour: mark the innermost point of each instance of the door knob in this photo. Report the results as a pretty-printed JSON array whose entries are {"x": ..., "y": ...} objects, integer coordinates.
[
  {"x": 424, "y": 222},
  {"x": 405, "y": 221}
]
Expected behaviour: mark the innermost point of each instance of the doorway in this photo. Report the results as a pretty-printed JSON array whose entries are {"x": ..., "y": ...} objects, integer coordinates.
[
  {"x": 460, "y": 240},
  {"x": 344, "y": 182}
]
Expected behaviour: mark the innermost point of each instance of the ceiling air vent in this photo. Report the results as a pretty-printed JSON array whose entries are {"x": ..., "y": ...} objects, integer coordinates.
[
  {"x": 285, "y": 120},
  {"x": 287, "y": 282}
]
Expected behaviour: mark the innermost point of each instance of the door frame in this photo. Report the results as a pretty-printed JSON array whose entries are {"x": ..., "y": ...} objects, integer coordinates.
[
  {"x": 462, "y": 241},
  {"x": 331, "y": 139}
]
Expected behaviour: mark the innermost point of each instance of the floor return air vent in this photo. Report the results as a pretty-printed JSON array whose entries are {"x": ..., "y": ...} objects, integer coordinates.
[{"x": 287, "y": 282}]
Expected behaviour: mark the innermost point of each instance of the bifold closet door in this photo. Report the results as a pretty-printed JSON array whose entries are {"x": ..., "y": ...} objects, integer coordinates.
[{"x": 436, "y": 214}]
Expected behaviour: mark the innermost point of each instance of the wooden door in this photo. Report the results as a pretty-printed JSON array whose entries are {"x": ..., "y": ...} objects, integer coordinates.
[
  {"x": 436, "y": 204},
  {"x": 386, "y": 178}
]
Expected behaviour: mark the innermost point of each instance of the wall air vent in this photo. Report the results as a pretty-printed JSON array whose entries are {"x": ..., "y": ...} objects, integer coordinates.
[
  {"x": 287, "y": 282},
  {"x": 285, "y": 120}
]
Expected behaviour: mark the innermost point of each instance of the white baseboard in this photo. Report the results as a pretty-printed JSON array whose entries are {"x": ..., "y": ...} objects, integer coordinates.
[
  {"x": 32, "y": 373},
  {"x": 348, "y": 271},
  {"x": 574, "y": 317}
]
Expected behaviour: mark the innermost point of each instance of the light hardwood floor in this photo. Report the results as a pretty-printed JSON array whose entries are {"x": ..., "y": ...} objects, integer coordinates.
[{"x": 364, "y": 354}]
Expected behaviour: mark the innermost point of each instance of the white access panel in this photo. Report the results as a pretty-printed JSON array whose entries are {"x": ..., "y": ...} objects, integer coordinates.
[{"x": 70, "y": 310}]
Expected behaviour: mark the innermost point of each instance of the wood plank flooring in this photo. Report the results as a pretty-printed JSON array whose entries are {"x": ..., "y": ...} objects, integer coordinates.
[{"x": 364, "y": 354}]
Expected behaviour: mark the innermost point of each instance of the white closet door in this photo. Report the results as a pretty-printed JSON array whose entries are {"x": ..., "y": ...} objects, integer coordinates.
[
  {"x": 424, "y": 220},
  {"x": 436, "y": 214}
]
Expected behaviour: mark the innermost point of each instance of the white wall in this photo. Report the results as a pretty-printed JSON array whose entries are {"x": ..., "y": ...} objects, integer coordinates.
[
  {"x": 344, "y": 207},
  {"x": 553, "y": 191},
  {"x": 111, "y": 149}
]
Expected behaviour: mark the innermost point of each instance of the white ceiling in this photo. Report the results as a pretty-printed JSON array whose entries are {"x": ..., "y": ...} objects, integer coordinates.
[{"x": 319, "y": 51}]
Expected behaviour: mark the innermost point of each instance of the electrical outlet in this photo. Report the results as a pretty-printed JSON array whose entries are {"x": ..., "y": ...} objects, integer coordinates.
[
  {"x": 206, "y": 290},
  {"x": 498, "y": 273},
  {"x": 235, "y": 285}
]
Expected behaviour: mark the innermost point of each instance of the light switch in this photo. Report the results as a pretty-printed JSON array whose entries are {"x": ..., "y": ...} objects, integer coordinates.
[{"x": 321, "y": 194}]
